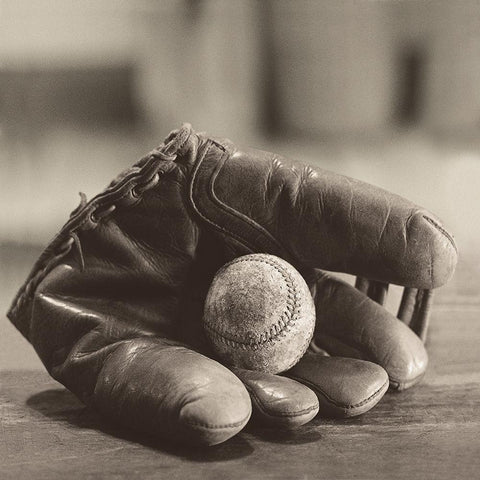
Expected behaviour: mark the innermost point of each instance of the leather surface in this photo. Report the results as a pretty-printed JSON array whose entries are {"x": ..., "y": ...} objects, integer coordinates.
[
  {"x": 259, "y": 314},
  {"x": 362, "y": 383},
  {"x": 279, "y": 401},
  {"x": 114, "y": 304}
]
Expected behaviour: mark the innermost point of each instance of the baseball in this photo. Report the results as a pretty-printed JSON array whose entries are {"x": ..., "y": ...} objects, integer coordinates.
[{"x": 259, "y": 314}]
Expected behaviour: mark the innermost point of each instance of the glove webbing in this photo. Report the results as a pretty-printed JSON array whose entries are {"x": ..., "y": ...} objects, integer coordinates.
[
  {"x": 415, "y": 306},
  {"x": 127, "y": 191}
]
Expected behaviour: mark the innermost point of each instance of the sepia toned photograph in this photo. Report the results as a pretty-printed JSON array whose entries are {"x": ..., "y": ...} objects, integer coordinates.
[{"x": 239, "y": 239}]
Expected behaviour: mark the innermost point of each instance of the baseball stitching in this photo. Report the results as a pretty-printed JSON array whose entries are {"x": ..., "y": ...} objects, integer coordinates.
[{"x": 278, "y": 329}]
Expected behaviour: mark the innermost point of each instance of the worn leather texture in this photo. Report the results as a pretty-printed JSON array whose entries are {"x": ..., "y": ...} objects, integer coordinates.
[
  {"x": 259, "y": 314},
  {"x": 114, "y": 304}
]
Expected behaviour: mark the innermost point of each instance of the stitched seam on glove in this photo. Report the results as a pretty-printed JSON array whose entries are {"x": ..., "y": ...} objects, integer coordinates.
[
  {"x": 278, "y": 329},
  {"x": 358, "y": 346},
  {"x": 287, "y": 413},
  {"x": 218, "y": 427},
  {"x": 316, "y": 388},
  {"x": 225, "y": 208},
  {"x": 236, "y": 213},
  {"x": 442, "y": 230},
  {"x": 202, "y": 215}
]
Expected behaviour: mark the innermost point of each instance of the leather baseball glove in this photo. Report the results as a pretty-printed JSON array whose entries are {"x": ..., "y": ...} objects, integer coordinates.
[{"x": 114, "y": 304}]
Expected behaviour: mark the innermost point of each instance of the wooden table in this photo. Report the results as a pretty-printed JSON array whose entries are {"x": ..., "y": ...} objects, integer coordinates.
[{"x": 431, "y": 431}]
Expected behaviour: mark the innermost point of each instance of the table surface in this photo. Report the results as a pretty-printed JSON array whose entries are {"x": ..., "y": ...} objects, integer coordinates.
[{"x": 429, "y": 431}]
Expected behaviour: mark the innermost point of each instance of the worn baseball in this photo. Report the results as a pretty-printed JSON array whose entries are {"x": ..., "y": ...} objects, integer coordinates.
[{"x": 259, "y": 314}]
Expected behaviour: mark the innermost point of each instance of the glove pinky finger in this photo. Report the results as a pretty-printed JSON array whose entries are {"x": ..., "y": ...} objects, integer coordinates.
[{"x": 345, "y": 387}]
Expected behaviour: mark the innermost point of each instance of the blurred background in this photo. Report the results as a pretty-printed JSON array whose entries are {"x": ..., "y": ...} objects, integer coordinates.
[{"x": 384, "y": 91}]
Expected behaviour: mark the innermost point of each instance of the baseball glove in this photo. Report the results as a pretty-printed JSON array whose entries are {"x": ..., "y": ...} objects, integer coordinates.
[{"x": 113, "y": 306}]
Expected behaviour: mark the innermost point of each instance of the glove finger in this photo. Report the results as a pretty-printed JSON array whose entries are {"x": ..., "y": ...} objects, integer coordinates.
[
  {"x": 173, "y": 392},
  {"x": 351, "y": 324},
  {"x": 340, "y": 224},
  {"x": 278, "y": 401},
  {"x": 415, "y": 305},
  {"x": 345, "y": 387},
  {"x": 324, "y": 220}
]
